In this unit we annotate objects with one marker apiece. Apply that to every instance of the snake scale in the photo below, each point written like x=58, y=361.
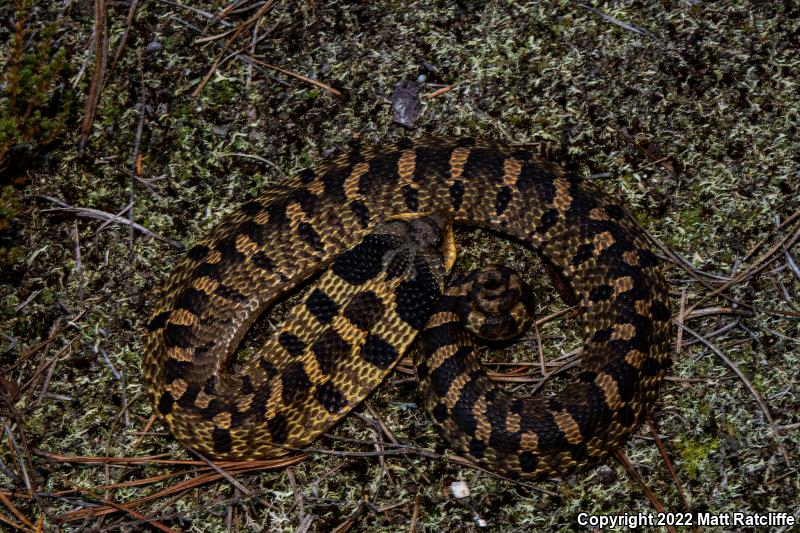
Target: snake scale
x=383, y=288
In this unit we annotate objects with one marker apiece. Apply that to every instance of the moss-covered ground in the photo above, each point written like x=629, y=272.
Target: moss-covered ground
x=686, y=110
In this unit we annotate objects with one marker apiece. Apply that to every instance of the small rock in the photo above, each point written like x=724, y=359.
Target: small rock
x=406, y=104
x=459, y=489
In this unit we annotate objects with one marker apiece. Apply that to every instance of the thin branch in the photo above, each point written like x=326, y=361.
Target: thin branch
x=102, y=215
x=100, y=60
x=773, y=427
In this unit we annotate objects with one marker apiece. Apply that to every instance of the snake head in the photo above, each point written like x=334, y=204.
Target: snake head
x=421, y=242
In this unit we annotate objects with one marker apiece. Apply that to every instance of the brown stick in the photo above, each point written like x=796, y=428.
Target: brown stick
x=100, y=60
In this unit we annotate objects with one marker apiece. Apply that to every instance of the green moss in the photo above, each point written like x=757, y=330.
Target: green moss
x=695, y=454
x=31, y=116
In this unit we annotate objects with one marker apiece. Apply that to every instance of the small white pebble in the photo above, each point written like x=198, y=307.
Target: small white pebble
x=459, y=489
x=480, y=521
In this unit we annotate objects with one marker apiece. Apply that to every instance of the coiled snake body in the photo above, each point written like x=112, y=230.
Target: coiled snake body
x=364, y=313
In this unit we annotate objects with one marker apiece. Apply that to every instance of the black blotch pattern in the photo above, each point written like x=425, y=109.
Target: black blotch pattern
x=371, y=181
x=660, y=311
x=198, y=252
x=295, y=382
x=378, y=352
x=651, y=367
x=365, y=260
x=583, y=253
x=188, y=397
x=521, y=154
x=648, y=258
x=310, y=236
x=528, y=461
x=268, y=368
x=262, y=261
x=192, y=300
x=229, y=293
x=255, y=232
x=415, y=298
x=602, y=335
x=547, y=221
x=404, y=144
x=439, y=336
x=465, y=142
x=614, y=211
x=399, y=264
x=625, y=416
x=364, y=310
x=601, y=293
x=258, y=407
x=457, y=194
x=361, y=212
x=422, y=371
x=252, y=208
x=477, y=448
x=165, y=403
x=333, y=180
x=463, y=410
x=443, y=376
x=355, y=156
x=550, y=435
x=626, y=377
x=222, y=440
x=644, y=332
x=227, y=248
x=411, y=197
x=306, y=199
x=329, y=349
x=208, y=270
x=582, y=201
x=594, y=228
x=578, y=451
x=278, y=428
x=555, y=405
x=504, y=196
x=501, y=440
x=210, y=385
x=588, y=412
x=239, y=418
x=276, y=212
x=174, y=369
x=215, y=407
x=307, y=175
x=158, y=321
x=292, y=344
x=330, y=397
x=440, y=412
x=321, y=306
x=178, y=336
x=431, y=162
x=533, y=176
x=485, y=162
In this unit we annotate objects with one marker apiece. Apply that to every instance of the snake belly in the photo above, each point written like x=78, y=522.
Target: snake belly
x=275, y=242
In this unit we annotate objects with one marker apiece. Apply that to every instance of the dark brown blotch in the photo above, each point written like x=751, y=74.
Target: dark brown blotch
x=278, y=428
x=330, y=398
x=292, y=344
x=378, y=352
x=295, y=382
x=222, y=440
x=165, y=403
x=321, y=306
x=310, y=236
x=364, y=310
x=411, y=198
x=329, y=349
